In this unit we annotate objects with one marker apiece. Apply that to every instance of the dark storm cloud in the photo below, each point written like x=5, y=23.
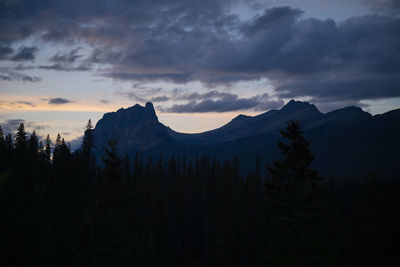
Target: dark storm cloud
x=183, y=41
x=272, y=18
x=5, y=52
x=174, y=77
x=25, y=53
x=291, y=51
x=59, y=101
x=386, y=6
x=353, y=88
x=66, y=20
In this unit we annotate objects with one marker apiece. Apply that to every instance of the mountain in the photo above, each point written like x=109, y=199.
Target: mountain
x=245, y=126
x=135, y=128
x=346, y=142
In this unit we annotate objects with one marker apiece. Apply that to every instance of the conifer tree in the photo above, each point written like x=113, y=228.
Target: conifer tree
x=88, y=141
x=20, y=139
x=112, y=240
x=47, y=150
x=8, y=145
x=2, y=149
x=1, y=138
x=61, y=152
x=57, y=149
x=33, y=145
x=297, y=237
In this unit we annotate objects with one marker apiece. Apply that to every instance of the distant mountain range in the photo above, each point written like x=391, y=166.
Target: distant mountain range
x=347, y=142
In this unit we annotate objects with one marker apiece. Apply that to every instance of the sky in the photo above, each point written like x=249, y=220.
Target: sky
x=201, y=63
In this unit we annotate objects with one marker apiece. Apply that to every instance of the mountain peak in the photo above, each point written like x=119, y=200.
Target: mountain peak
x=136, y=127
x=299, y=106
x=294, y=104
x=134, y=115
x=351, y=113
x=149, y=105
x=139, y=113
x=241, y=117
x=150, y=108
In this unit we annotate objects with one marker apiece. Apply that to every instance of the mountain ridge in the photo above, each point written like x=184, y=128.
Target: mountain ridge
x=343, y=140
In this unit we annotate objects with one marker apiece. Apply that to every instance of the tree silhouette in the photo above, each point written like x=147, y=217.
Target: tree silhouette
x=112, y=242
x=2, y=144
x=3, y=154
x=47, y=150
x=87, y=143
x=60, y=211
x=33, y=146
x=20, y=139
x=297, y=237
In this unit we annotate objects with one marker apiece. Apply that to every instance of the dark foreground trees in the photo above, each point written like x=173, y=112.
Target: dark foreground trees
x=297, y=221
x=62, y=209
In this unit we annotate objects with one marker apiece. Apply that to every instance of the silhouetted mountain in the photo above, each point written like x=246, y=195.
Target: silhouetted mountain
x=347, y=141
x=135, y=128
x=245, y=126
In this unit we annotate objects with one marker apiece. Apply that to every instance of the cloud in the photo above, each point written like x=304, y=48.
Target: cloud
x=27, y=103
x=5, y=52
x=159, y=99
x=298, y=55
x=67, y=62
x=224, y=105
x=65, y=67
x=145, y=95
x=25, y=53
x=215, y=101
x=10, y=75
x=354, y=88
x=18, y=104
x=184, y=41
x=75, y=143
x=211, y=101
x=391, y=7
x=10, y=126
x=105, y=101
x=59, y=101
x=69, y=57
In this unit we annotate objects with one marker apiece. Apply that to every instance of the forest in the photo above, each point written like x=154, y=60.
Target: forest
x=63, y=208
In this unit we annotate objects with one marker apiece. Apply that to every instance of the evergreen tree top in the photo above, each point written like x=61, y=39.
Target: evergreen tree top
x=20, y=138
x=89, y=125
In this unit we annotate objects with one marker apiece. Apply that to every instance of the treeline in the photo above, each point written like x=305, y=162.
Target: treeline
x=61, y=209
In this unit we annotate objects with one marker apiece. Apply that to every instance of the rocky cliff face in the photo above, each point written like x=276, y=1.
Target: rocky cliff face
x=135, y=128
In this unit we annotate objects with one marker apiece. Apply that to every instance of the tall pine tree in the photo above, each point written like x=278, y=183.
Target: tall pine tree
x=297, y=236
x=20, y=140
x=87, y=143
x=112, y=242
